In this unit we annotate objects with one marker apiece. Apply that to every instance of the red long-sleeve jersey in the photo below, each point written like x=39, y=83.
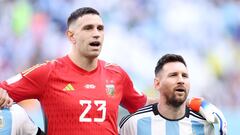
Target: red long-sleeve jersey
x=77, y=102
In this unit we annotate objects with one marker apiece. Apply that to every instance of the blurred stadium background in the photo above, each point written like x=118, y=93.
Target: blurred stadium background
x=137, y=34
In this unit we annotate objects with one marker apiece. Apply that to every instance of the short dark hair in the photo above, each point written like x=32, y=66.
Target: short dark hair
x=79, y=13
x=166, y=59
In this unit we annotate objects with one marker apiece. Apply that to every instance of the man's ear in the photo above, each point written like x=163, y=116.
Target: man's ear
x=156, y=83
x=70, y=36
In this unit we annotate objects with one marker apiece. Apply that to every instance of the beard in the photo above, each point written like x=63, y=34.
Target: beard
x=176, y=101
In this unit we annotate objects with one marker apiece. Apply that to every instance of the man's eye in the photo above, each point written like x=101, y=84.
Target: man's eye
x=100, y=28
x=87, y=28
x=185, y=75
x=172, y=75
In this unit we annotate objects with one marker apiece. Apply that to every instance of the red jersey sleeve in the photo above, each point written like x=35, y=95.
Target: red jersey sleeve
x=132, y=100
x=28, y=84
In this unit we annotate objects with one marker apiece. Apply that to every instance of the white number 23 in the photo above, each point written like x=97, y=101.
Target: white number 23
x=102, y=108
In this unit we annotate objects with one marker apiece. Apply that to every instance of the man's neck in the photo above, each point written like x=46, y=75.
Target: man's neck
x=171, y=112
x=84, y=62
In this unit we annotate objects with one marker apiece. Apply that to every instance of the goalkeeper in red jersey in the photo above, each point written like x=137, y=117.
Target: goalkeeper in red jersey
x=79, y=93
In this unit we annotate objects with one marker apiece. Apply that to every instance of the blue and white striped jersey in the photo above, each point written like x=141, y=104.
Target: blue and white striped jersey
x=15, y=121
x=148, y=121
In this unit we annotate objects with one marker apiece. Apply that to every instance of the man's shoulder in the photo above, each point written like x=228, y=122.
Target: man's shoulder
x=146, y=111
x=196, y=116
x=111, y=66
x=55, y=63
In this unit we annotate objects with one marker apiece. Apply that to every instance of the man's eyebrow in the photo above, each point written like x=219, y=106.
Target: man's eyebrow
x=87, y=25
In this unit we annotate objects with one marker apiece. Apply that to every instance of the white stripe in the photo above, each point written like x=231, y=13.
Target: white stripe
x=158, y=125
x=14, y=79
x=184, y=127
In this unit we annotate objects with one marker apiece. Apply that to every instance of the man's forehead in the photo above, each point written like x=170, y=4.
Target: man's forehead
x=174, y=66
x=90, y=19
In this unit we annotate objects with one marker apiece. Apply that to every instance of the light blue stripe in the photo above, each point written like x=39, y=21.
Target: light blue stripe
x=144, y=126
x=172, y=128
x=197, y=128
x=6, y=118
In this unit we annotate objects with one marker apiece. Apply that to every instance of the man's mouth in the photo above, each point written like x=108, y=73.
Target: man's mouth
x=180, y=90
x=95, y=43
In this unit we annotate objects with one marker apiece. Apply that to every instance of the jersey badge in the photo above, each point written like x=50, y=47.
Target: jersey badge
x=69, y=87
x=110, y=89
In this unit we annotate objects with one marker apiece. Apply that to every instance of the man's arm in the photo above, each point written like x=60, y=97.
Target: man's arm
x=25, y=85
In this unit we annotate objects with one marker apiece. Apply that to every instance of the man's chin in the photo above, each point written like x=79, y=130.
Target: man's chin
x=177, y=102
x=93, y=55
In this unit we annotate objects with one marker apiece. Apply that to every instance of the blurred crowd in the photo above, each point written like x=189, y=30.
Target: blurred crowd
x=138, y=32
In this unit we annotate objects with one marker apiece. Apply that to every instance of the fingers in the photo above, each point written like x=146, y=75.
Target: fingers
x=201, y=106
x=210, y=112
x=10, y=103
x=5, y=100
x=3, y=94
x=207, y=111
x=207, y=114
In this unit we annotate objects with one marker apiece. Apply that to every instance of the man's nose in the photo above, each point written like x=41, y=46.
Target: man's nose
x=96, y=33
x=180, y=79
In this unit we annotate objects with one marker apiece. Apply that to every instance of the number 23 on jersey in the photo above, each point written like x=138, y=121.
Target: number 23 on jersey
x=101, y=104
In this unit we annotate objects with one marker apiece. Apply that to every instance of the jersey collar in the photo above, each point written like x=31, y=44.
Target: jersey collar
x=156, y=112
x=82, y=71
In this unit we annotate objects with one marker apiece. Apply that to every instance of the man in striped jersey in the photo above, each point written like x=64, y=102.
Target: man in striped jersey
x=15, y=121
x=169, y=116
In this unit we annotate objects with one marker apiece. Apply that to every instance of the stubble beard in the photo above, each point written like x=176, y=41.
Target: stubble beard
x=176, y=101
